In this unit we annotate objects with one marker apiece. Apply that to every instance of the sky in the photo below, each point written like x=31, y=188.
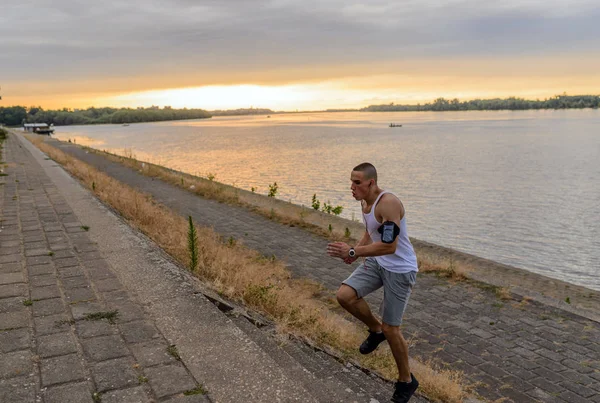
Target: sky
x=292, y=54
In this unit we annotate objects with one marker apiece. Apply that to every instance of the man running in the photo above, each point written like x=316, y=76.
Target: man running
x=390, y=262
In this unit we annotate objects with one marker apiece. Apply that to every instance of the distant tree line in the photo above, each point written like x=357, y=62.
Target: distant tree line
x=17, y=115
x=512, y=103
x=12, y=115
x=242, y=111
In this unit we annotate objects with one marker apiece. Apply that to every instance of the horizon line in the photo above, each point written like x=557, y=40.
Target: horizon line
x=341, y=109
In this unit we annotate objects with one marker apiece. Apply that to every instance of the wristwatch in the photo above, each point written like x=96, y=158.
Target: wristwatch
x=351, y=252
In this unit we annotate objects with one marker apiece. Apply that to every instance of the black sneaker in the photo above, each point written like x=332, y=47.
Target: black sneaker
x=371, y=342
x=403, y=391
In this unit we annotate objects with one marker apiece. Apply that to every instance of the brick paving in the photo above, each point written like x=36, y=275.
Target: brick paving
x=519, y=350
x=51, y=277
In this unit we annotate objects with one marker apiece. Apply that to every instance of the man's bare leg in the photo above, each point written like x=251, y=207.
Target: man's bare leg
x=399, y=348
x=358, y=307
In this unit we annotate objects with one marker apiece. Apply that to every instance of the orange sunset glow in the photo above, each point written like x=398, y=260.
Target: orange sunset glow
x=238, y=56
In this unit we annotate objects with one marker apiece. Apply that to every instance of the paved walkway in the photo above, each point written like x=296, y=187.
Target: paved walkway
x=519, y=350
x=51, y=277
x=75, y=319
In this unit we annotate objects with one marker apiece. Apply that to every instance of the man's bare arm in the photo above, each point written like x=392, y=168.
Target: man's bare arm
x=365, y=240
x=390, y=209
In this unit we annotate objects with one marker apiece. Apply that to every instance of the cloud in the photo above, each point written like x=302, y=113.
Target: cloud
x=67, y=41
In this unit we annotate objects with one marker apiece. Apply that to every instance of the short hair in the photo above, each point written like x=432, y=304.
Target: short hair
x=367, y=169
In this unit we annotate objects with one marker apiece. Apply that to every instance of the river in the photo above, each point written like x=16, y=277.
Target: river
x=518, y=187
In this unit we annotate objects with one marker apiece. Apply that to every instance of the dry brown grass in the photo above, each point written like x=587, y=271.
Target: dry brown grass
x=260, y=282
x=443, y=267
x=524, y=303
x=448, y=268
x=272, y=208
x=503, y=293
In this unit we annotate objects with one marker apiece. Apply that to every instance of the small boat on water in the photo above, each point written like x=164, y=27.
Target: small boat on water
x=39, y=128
x=125, y=124
x=395, y=125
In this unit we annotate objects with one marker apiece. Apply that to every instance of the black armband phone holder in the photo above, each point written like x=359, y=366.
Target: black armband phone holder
x=389, y=230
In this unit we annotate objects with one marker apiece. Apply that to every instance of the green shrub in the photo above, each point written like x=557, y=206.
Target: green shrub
x=192, y=244
x=316, y=204
x=273, y=189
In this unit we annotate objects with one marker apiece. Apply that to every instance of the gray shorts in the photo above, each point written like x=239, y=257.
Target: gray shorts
x=397, y=287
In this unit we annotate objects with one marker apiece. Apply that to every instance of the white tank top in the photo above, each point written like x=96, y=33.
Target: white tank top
x=403, y=260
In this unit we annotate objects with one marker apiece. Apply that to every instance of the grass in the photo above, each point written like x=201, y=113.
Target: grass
x=523, y=304
x=173, y=352
x=442, y=267
x=261, y=283
x=283, y=212
x=111, y=316
x=502, y=293
x=28, y=302
x=199, y=390
x=59, y=323
x=192, y=244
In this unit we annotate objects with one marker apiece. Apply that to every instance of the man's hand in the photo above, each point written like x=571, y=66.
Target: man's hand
x=338, y=249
